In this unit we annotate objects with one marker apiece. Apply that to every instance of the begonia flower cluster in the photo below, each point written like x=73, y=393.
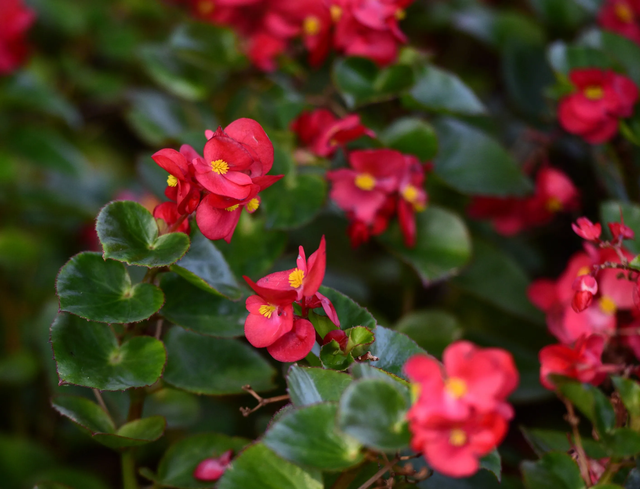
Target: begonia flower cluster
x=554, y=192
x=219, y=184
x=15, y=19
x=273, y=323
x=461, y=412
x=601, y=98
x=621, y=17
x=588, y=306
x=367, y=28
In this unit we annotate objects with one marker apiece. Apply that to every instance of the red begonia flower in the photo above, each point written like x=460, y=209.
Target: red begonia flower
x=15, y=20
x=217, y=217
x=252, y=136
x=413, y=198
x=620, y=230
x=338, y=335
x=168, y=212
x=585, y=287
x=584, y=228
x=180, y=185
x=296, y=344
x=621, y=17
x=542, y=294
x=211, y=469
x=602, y=97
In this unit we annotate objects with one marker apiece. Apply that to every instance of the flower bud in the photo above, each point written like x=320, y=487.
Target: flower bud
x=586, y=229
x=621, y=230
x=581, y=300
x=211, y=469
x=585, y=283
x=339, y=336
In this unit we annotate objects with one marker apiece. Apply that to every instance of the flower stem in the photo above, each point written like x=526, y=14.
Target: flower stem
x=129, y=480
x=577, y=440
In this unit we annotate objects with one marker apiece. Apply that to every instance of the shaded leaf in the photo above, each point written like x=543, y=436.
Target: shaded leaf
x=313, y=385
x=411, y=135
x=393, y=349
x=432, y=330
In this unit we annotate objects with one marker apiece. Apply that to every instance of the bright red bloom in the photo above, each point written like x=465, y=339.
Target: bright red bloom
x=168, y=212
x=620, y=231
x=586, y=229
x=413, y=198
x=582, y=362
x=296, y=344
x=621, y=17
x=211, y=469
x=359, y=232
x=601, y=99
x=323, y=133
x=181, y=187
x=454, y=447
x=586, y=287
x=15, y=20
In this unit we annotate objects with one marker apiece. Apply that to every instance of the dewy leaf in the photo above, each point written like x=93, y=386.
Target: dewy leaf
x=100, y=290
x=480, y=166
x=393, y=350
x=443, y=244
x=439, y=90
x=312, y=385
x=129, y=233
x=411, y=135
x=308, y=437
x=373, y=411
x=214, y=366
x=88, y=354
x=204, y=266
x=432, y=330
x=193, y=308
x=259, y=468
x=349, y=312
x=610, y=212
x=181, y=459
x=557, y=470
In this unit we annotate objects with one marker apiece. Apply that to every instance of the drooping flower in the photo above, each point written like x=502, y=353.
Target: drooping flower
x=621, y=17
x=15, y=19
x=601, y=98
x=211, y=469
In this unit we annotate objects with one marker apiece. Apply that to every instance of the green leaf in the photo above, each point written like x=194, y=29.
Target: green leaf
x=432, y=330
x=591, y=402
x=480, y=166
x=259, y=468
x=557, y=470
x=373, y=411
x=443, y=244
x=92, y=418
x=622, y=442
x=393, y=349
x=492, y=463
x=179, y=408
x=312, y=385
x=308, y=437
x=366, y=371
x=411, y=135
x=181, y=459
x=332, y=356
x=100, y=290
x=293, y=202
x=194, y=309
x=543, y=441
x=195, y=41
x=439, y=90
x=564, y=58
x=610, y=212
x=88, y=354
x=349, y=312
x=204, y=266
x=360, y=81
x=359, y=339
x=214, y=366
x=623, y=50
x=322, y=324
x=19, y=368
x=629, y=391
x=129, y=233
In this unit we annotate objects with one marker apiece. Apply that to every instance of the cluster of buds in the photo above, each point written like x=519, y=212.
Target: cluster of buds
x=218, y=186
x=584, y=306
x=554, y=193
x=367, y=28
x=273, y=323
x=621, y=17
x=15, y=20
x=461, y=413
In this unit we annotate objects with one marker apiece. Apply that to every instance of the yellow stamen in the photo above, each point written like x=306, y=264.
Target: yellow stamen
x=594, y=92
x=456, y=388
x=311, y=25
x=232, y=208
x=457, y=437
x=607, y=305
x=624, y=12
x=267, y=310
x=364, y=181
x=584, y=271
x=400, y=14
x=253, y=205
x=172, y=181
x=295, y=278
x=205, y=7
x=554, y=204
x=336, y=13
x=220, y=167
x=415, y=392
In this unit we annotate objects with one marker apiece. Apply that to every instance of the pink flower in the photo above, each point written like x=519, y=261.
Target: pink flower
x=15, y=20
x=620, y=231
x=586, y=287
x=296, y=344
x=586, y=229
x=181, y=187
x=211, y=469
x=621, y=17
x=168, y=212
x=413, y=198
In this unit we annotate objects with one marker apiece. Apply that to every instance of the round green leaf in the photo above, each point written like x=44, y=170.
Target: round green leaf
x=373, y=411
x=493, y=463
x=332, y=356
x=312, y=385
x=557, y=470
x=349, y=312
x=443, y=244
x=259, y=468
x=129, y=233
x=205, y=267
x=480, y=166
x=307, y=436
x=393, y=350
x=214, y=366
x=88, y=354
x=294, y=202
x=181, y=459
x=564, y=58
x=100, y=290
x=134, y=433
x=179, y=408
x=438, y=90
x=411, y=135
x=193, y=308
x=432, y=330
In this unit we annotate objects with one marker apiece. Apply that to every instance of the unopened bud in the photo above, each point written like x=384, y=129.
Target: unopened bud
x=585, y=283
x=581, y=300
x=339, y=336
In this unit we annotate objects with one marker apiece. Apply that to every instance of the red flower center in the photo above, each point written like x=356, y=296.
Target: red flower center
x=220, y=167
x=172, y=181
x=267, y=310
x=594, y=92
